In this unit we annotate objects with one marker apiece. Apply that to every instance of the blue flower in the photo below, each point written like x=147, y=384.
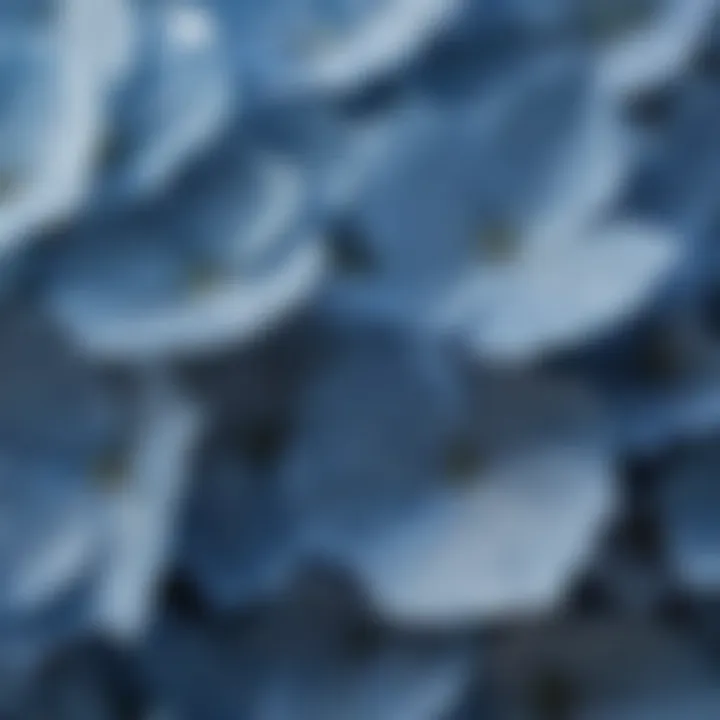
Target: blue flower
x=89, y=477
x=233, y=253
x=488, y=220
x=176, y=97
x=446, y=511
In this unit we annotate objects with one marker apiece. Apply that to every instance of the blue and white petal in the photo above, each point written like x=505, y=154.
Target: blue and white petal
x=286, y=48
x=368, y=432
x=57, y=420
x=650, y=42
x=479, y=191
x=58, y=76
x=143, y=517
x=445, y=518
x=82, y=483
x=508, y=546
x=113, y=36
x=560, y=298
x=177, y=98
x=237, y=255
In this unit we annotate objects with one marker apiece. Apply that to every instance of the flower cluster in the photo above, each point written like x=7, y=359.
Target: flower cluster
x=359, y=359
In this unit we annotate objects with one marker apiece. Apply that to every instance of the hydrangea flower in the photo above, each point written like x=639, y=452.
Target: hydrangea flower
x=446, y=514
x=487, y=221
x=90, y=476
x=358, y=359
x=233, y=252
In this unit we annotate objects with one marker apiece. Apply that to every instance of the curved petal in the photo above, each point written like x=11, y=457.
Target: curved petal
x=226, y=316
x=446, y=516
x=64, y=432
x=289, y=48
x=176, y=102
x=509, y=545
x=143, y=517
x=54, y=177
x=239, y=257
x=563, y=297
x=382, y=44
x=658, y=51
x=478, y=188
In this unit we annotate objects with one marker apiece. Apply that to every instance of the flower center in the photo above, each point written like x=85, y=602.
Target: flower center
x=463, y=461
x=349, y=250
x=202, y=278
x=497, y=242
x=110, y=470
x=113, y=150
